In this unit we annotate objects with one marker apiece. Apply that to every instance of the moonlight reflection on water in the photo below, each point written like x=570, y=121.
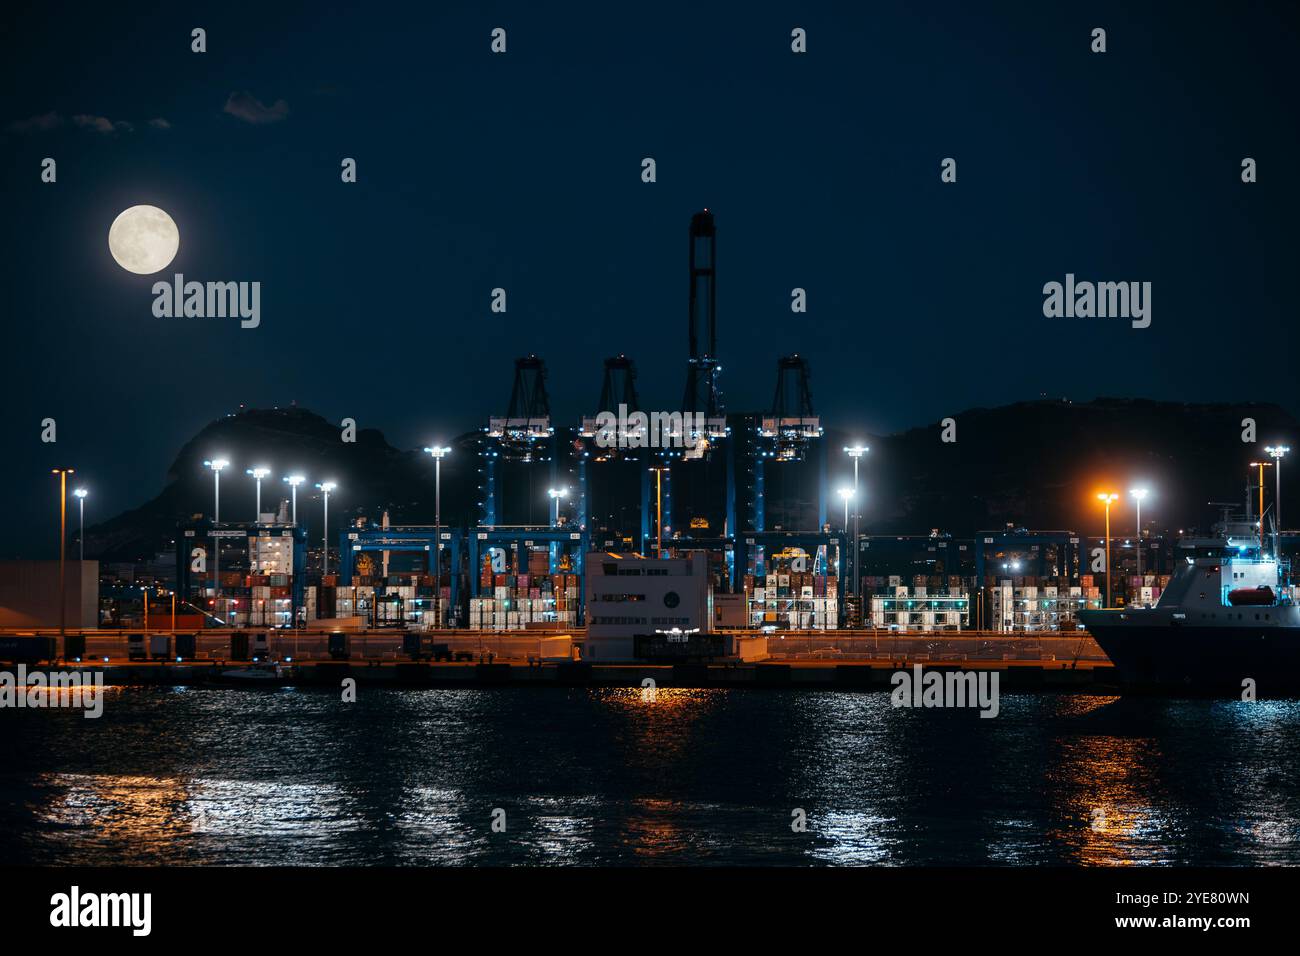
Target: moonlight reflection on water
x=602, y=776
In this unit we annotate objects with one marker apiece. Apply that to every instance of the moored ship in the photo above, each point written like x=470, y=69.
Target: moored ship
x=1224, y=620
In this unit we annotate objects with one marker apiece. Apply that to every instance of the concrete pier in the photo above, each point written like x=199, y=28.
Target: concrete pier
x=826, y=659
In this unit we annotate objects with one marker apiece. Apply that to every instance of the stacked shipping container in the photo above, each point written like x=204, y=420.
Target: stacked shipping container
x=793, y=601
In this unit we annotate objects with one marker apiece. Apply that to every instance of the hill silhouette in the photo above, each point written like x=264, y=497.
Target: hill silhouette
x=1040, y=464
x=1033, y=464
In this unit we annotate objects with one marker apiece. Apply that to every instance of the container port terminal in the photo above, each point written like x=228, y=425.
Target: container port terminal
x=691, y=537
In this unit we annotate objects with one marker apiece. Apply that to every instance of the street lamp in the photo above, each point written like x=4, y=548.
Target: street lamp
x=556, y=494
x=80, y=494
x=1277, y=453
x=1108, y=498
x=258, y=473
x=1138, y=495
x=855, y=452
x=1261, y=465
x=63, y=543
x=326, y=487
x=847, y=495
x=659, y=508
x=294, y=481
x=216, y=464
x=438, y=454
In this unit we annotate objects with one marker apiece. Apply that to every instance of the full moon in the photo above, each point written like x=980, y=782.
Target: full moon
x=143, y=239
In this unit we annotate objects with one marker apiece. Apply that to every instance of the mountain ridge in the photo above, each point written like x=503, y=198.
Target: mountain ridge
x=1035, y=463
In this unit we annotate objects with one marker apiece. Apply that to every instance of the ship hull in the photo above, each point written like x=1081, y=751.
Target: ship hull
x=1202, y=660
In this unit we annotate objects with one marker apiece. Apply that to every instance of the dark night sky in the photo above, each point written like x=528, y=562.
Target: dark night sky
x=522, y=171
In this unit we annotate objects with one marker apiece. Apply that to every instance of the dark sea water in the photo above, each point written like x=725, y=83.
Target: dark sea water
x=188, y=776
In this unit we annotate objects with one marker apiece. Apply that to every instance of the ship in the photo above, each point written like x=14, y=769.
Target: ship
x=1226, y=624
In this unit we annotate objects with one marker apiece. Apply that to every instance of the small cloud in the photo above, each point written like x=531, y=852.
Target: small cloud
x=159, y=123
x=248, y=108
x=99, y=124
x=102, y=124
x=37, y=124
x=46, y=122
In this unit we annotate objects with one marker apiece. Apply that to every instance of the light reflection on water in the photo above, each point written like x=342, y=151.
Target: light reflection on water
x=603, y=776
